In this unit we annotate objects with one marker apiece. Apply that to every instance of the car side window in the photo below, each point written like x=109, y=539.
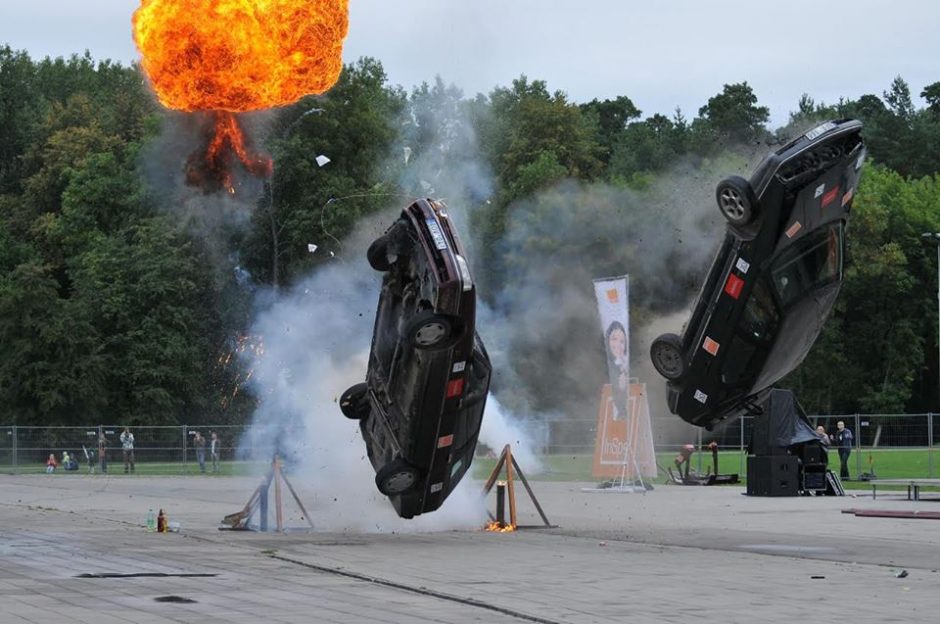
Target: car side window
x=760, y=317
x=812, y=262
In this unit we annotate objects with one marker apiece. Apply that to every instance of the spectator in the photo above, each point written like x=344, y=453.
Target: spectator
x=823, y=436
x=103, y=453
x=843, y=440
x=90, y=458
x=127, y=445
x=200, y=443
x=51, y=464
x=215, y=448
x=68, y=461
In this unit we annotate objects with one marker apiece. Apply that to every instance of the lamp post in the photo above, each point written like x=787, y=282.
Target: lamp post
x=275, y=229
x=934, y=239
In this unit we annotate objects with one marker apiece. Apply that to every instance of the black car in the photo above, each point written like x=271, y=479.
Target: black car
x=421, y=405
x=773, y=281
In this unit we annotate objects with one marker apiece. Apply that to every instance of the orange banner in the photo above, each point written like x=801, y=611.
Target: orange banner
x=624, y=446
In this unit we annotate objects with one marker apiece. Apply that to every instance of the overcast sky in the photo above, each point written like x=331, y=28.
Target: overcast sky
x=660, y=53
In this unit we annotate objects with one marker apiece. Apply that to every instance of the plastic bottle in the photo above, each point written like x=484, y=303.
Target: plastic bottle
x=151, y=521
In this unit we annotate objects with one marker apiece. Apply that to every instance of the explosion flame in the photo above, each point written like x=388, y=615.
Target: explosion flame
x=232, y=56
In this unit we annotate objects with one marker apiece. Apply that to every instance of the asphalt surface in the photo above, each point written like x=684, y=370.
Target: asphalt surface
x=74, y=548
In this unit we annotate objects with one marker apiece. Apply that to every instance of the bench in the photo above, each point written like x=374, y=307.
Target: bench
x=913, y=486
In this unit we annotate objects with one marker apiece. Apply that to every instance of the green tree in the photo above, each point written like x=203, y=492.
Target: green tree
x=354, y=126
x=734, y=114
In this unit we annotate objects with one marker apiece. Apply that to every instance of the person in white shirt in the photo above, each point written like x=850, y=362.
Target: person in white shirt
x=215, y=448
x=127, y=445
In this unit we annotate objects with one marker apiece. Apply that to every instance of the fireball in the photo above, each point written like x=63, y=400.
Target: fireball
x=240, y=55
x=232, y=56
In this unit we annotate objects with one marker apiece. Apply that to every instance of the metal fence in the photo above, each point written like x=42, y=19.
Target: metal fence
x=163, y=449
x=883, y=443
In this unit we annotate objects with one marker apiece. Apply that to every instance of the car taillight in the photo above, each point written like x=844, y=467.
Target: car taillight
x=464, y=273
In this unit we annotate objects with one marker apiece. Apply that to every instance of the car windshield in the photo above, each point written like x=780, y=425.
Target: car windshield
x=810, y=263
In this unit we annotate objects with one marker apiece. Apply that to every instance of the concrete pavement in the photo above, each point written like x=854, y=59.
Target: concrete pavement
x=73, y=549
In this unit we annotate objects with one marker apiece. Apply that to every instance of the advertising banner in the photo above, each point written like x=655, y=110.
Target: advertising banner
x=612, y=306
x=624, y=446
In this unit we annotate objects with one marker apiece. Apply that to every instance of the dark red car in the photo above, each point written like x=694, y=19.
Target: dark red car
x=421, y=405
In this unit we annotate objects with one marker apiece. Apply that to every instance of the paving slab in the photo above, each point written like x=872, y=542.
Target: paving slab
x=74, y=548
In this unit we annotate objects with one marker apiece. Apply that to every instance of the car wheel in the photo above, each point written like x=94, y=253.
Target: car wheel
x=666, y=354
x=396, y=477
x=432, y=331
x=377, y=254
x=354, y=403
x=387, y=249
x=736, y=200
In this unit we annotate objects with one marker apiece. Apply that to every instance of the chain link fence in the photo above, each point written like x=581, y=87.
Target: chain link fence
x=886, y=445
x=157, y=450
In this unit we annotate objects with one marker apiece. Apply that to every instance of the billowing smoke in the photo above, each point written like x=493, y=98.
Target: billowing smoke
x=539, y=322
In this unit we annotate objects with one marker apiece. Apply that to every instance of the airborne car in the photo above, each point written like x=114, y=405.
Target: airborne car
x=773, y=281
x=421, y=405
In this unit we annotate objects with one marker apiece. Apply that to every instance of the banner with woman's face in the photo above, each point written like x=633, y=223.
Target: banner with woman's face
x=613, y=308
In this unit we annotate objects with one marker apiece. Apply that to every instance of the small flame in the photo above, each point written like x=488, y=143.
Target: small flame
x=498, y=527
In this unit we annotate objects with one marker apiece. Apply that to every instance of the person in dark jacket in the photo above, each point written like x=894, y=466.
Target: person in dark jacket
x=843, y=440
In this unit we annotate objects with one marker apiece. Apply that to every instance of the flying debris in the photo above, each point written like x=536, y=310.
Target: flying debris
x=311, y=247
x=421, y=405
x=322, y=160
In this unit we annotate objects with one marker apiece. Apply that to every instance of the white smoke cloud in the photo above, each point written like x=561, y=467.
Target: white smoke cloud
x=316, y=341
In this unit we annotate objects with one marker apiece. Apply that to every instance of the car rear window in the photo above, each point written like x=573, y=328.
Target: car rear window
x=809, y=264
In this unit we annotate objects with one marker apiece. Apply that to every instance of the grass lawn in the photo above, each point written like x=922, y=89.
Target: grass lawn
x=885, y=463
x=150, y=469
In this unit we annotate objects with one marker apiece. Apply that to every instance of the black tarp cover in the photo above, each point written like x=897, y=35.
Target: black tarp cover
x=788, y=422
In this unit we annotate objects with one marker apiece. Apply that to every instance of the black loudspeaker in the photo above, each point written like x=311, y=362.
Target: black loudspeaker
x=763, y=437
x=773, y=475
x=814, y=453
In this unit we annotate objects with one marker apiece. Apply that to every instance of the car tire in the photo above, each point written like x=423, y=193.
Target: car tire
x=666, y=354
x=377, y=254
x=396, y=477
x=387, y=249
x=736, y=200
x=354, y=403
x=432, y=332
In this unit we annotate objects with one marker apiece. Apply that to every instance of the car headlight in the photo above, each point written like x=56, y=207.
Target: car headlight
x=464, y=272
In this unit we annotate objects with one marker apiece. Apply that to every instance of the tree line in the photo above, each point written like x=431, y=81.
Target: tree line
x=113, y=308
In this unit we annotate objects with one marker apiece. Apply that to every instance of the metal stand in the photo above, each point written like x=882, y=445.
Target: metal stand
x=259, y=501
x=506, y=459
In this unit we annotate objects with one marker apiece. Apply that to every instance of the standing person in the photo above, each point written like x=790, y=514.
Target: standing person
x=214, y=450
x=90, y=458
x=127, y=445
x=843, y=440
x=103, y=453
x=200, y=443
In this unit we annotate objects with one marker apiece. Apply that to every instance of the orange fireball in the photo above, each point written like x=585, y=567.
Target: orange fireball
x=240, y=55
